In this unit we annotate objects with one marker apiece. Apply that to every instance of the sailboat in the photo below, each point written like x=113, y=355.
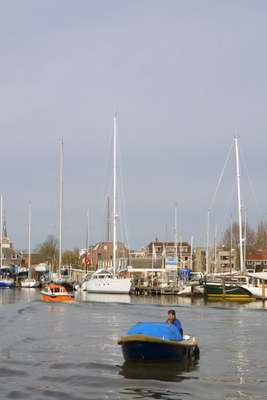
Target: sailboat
x=56, y=292
x=228, y=286
x=29, y=282
x=103, y=281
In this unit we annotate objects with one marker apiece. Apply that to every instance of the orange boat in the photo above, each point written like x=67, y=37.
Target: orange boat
x=56, y=293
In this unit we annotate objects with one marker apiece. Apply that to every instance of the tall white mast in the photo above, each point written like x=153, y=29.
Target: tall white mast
x=60, y=206
x=231, y=244
x=87, y=231
x=175, y=232
x=29, y=239
x=1, y=229
x=215, y=249
x=114, y=191
x=208, y=243
x=245, y=237
x=239, y=205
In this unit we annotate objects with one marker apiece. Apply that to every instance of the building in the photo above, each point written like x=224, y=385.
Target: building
x=256, y=260
x=10, y=256
x=223, y=261
x=177, y=255
x=199, y=260
x=101, y=255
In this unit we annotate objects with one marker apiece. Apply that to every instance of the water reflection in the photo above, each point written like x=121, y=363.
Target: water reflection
x=12, y=295
x=169, y=372
x=56, y=309
x=104, y=297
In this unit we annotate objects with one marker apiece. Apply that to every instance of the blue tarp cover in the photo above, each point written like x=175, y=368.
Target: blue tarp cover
x=160, y=330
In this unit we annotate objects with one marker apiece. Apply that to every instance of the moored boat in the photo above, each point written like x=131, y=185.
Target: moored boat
x=227, y=291
x=7, y=282
x=157, y=342
x=56, y=293
x=103, y=281
x=30, y=283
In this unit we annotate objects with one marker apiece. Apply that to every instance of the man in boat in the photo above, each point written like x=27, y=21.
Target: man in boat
x=174, y=321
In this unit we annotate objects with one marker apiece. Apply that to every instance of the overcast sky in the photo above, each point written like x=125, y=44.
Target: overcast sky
x=184, y=77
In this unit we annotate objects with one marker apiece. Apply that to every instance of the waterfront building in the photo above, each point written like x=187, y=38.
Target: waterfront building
x=10, y=256
x=175, y=254
x=199, y=260
x=256, y=260
x=222, y=260
x=101, y=254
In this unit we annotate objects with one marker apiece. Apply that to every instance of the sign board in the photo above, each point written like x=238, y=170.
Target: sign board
x=171, y=263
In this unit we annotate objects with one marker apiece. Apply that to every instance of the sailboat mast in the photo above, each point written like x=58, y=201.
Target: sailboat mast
x=175, y=232
x=208, y=244
x=114, y=191
x=245, y=237
x=231, y=244
x=239, y=205
x=29, y=239
x=1, y=233
x=215, y=249
x=60, y=206
x=87, y=232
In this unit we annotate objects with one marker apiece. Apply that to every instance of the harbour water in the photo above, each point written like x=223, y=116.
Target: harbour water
x=70, y=351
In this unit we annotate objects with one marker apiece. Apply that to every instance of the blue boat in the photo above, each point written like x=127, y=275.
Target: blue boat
x=154, y=341
x=6, y=282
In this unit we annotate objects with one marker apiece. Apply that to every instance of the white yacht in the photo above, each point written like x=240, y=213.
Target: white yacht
x=30, y=283
x=256, y=284
x=103, y=281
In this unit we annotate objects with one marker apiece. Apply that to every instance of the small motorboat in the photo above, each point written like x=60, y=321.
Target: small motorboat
x=30, y=283
x=56, y=293
x=6, y=282
x=154, y=341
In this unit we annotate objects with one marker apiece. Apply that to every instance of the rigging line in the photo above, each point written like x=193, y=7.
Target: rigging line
x=107, y=181
x=122, y=198
x=221, y=177
x=232, y=193
x=243, y=161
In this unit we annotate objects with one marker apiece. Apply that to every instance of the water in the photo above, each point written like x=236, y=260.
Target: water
x=69, y=351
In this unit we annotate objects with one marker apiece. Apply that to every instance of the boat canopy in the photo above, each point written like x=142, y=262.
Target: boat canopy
x=156, y=329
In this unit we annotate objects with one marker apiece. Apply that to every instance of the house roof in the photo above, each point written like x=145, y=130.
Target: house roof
x=260, y=254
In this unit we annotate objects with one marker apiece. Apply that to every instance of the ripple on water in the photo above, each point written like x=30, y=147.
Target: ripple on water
x=70, y=352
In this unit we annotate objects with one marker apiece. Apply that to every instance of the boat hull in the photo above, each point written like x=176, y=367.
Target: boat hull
x=256, y=291
x=67, y=298
x=6, y=283
x=144, y=348
x=227, y=291
x=108, y=285
x=29, y=283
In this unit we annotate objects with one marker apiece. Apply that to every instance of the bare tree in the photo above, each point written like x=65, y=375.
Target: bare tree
x=261, y=235
x=234, y=234
x=71, y=257
x=48, y=250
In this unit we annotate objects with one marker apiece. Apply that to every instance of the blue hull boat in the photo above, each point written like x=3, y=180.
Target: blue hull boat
x=163, y=344
x=6, y=283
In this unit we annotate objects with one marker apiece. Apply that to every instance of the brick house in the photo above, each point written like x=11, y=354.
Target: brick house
x=256, y=260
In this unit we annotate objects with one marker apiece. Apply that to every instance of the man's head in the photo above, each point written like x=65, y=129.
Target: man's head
x=171, y=315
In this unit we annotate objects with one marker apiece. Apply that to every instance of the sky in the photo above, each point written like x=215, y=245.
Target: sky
x=184, y=78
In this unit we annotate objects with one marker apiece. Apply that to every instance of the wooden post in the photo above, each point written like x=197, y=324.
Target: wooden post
x=263, y=289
